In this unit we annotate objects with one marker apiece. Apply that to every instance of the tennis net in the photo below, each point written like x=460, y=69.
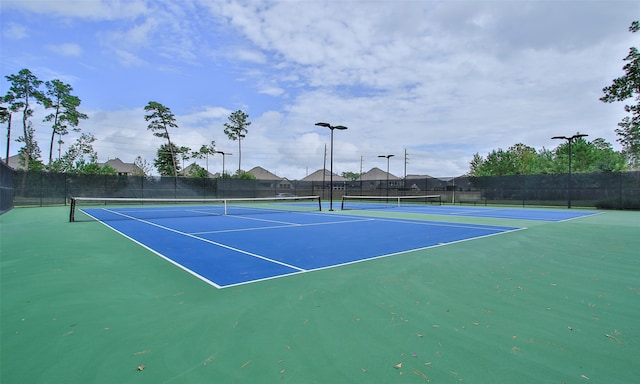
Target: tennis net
x=383, y=202
x=115, y=208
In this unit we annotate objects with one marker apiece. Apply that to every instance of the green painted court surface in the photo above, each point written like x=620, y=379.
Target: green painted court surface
x=558, y=302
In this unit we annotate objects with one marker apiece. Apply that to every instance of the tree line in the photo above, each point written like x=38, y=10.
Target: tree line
x=586, y=156
x=25, y=92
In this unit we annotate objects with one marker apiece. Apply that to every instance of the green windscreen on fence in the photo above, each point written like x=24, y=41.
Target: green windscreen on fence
x=612, y=190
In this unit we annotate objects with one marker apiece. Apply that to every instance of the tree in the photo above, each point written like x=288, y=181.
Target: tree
x=5, y=117
x=204, y=152
x=244, y=175
x=623, y=88
x=81, y=158
x=184, y=154
x=500, y=163
x=607, y=160
x=524, y=157
x=476, y=167
x=24, y=89
x=595, y=156
x=30, y=153
x=197, y=171
x=161, y=119
x=165, y=161
x=236, y=129
x=142, y=167
x=351, y=175
x=65, y=113
x=519, y=159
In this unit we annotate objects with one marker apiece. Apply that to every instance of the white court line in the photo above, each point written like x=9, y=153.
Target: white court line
x=282, y=226
x=158, y=253
x=208, y=241
x=453, y=225
x=580, y=217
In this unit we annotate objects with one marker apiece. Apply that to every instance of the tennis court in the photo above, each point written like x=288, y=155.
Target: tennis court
x=258, y=244
x=424, y=205
x=439, y=294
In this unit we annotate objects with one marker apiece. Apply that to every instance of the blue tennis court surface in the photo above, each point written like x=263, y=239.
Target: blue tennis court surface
x=232, y=250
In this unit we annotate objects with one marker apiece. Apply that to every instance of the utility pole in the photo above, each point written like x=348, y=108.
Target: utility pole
x=406, y=160
x=324, y=170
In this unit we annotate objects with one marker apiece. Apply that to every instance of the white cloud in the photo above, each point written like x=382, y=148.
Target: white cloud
x=66, y=49
x=14, y=31
x=91, y=9
x=442, y=80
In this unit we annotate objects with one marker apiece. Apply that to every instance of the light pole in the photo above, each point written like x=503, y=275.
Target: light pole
x=388, y=157
x=569, y=140
x=224, y=154
x=331, y=127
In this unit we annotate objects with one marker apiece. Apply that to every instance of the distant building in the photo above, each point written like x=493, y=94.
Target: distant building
x=15, y=162
x=270, y=180
x=425, y=183
x=187, y=171
x=323, y=175
x=376, y=178
x=122, y=168
x=377, y=174
x=321, y=179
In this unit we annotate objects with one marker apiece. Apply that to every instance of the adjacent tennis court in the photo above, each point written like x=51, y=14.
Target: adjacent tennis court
x=432, y=205
x=263, y=242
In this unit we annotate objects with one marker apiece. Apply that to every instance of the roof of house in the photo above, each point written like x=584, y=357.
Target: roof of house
x=187, y=170
x=323, y=174
x=122, y=167
x=15, y=163
x=377, y=174
x=262, y=174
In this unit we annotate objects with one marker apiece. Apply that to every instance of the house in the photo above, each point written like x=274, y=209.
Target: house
x=15, y=163
x=262, y=174
x=269, y=180
x=376, y=173
x=321, y=181
x=122, y=168
x=323, y=175
x=425, y=183
x=187, y=171
x=376, y=178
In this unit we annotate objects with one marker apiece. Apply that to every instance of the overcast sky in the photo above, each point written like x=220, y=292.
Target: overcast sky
x=441, y=80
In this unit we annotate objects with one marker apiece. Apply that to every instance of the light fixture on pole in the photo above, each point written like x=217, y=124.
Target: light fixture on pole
x=569, y=140
x=224, y=154
x=388, y=157
x=331, y=127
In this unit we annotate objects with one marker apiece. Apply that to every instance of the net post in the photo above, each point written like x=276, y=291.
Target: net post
x=319, y=203
x=342, y=203
x=225, y=206
x=73, y=210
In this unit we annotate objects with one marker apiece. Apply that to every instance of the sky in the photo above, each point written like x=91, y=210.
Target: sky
x=430, y=82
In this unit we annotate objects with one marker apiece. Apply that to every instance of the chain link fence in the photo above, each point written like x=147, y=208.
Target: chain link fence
x=620, y=190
